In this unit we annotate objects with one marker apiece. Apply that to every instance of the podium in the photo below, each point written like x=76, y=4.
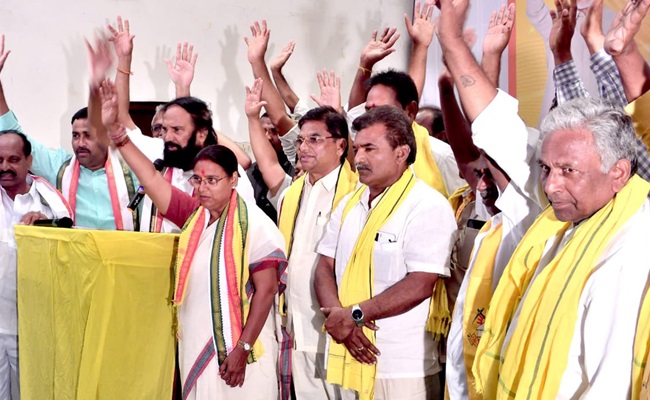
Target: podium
x=95, y=319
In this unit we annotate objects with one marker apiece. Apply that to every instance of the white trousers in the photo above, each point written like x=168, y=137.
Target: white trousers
x=310, y=379
x=426, y=388
x=8, y=366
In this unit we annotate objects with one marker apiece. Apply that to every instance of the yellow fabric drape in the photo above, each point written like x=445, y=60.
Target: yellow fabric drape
x=533, y=363
x=357, y=285
x=477, y=298
x=96, y=320
x=346, y=183
x=425, y=166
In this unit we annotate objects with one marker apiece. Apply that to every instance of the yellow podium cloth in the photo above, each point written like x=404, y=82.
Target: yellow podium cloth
x=95, y=315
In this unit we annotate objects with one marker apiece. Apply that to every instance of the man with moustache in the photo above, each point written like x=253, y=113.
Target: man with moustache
x=187, y=128
x=25, y=198
x=96, y=184
x=391, y=240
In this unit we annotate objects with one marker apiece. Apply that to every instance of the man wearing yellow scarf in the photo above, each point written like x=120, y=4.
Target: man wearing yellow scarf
x=391, y=240
x=435, y=164
x=563, y=318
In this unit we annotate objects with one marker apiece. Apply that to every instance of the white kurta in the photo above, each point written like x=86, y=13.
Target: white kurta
x=417, y=238
x=601, y=350
x=195, y=319
x=520, y=203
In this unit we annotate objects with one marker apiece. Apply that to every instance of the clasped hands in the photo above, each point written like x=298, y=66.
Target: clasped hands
x=343, y=330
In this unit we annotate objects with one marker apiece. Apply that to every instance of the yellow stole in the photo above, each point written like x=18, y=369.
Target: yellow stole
x=458, y=202
x=641, y=374
x=533, y=363
x=346, y=182
x=425, y=166
x=478, y=296
x=230, y=240
x=357, y=285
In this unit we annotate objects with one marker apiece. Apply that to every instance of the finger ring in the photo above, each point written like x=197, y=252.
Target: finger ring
x=360, y=348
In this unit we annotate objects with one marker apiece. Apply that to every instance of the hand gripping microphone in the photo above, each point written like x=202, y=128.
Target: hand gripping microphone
x=135, y=201
x=64, y=222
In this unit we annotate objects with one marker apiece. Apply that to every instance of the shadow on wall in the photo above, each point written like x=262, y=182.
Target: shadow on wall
x=75, y=58
x=158, y=74
x=230, y=87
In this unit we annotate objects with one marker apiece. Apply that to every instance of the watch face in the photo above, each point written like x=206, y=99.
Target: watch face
x=357, y=315
x=247, y=346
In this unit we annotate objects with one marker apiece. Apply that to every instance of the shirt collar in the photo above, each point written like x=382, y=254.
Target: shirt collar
x=328, y=181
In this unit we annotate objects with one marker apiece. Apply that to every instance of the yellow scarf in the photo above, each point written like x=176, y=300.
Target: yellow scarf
x=357, y=286
x=641, y=374
x=458, y=202
x=478, y=296
x=533, y=363
x=346, y=182
x=425, y=166
x=230, y=240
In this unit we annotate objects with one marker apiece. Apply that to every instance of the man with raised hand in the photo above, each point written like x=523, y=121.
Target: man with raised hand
x=93, y=180
x=25, y=198
x=186, y=127
x=382, y=253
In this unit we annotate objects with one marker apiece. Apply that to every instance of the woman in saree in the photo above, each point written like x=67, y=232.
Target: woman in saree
x=228, y=270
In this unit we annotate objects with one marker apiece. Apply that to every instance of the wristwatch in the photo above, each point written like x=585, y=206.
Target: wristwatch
x=357, y=315
x=247, y=347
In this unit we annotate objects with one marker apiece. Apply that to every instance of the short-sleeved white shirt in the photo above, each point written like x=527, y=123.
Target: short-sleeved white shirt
x=417, y=238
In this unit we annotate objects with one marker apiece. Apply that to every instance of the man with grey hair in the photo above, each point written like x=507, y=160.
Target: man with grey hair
x=563, y=323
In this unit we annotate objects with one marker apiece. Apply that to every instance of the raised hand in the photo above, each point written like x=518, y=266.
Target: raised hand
x=254, y=103
x=258, y=43
x=282, y=57
x=453, y=14
x=422, y=29
x=108, y=96
x=122, y=38
x=377, y=49
x=592, y=27
x=627, y=23
x=499, y=30
x=3, y=53
x=330, y=90
x=100, y=60
x=564, y=24
x=181, y=71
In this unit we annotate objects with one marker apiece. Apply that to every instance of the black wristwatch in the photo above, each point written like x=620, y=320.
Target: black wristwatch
x=357, y=315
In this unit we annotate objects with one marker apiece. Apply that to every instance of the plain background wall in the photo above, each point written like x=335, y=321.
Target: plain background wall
x=45, y=77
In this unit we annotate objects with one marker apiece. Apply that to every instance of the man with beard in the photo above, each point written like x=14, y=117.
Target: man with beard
x=24, y=199
x=186, y=129
x=96, y=184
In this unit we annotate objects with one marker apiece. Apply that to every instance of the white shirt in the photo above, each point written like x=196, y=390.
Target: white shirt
x=501, y=133
x=12, y=211
x=153, y=149
x=305, y=320
x=601, y=350
x=417, y=238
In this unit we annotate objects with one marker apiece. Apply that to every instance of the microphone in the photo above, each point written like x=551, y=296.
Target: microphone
x=135, y=201
x=64, y=222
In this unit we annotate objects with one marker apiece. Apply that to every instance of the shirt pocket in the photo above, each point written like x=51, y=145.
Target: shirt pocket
x=388, y=262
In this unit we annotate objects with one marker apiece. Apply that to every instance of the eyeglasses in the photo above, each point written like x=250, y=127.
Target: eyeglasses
x=312, y=141
x=156, y=128
x=211, y=181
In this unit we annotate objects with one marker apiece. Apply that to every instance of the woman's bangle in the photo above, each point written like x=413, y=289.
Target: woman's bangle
x=126, y=139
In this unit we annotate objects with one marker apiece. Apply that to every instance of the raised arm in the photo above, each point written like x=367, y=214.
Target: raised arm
x=123, y=45
x=155, y=185
x=257, y=46
x=99, y=61
x=267, y=160
x=495, y=41
x=475, y=89
x=181, y=71
x=619, y=42
x=459, y=131
x=421, y=31
x=375, y=51
x=288, y=95
x=4, y=107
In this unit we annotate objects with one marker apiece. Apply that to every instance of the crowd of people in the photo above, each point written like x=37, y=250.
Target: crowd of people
x=377, y=249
